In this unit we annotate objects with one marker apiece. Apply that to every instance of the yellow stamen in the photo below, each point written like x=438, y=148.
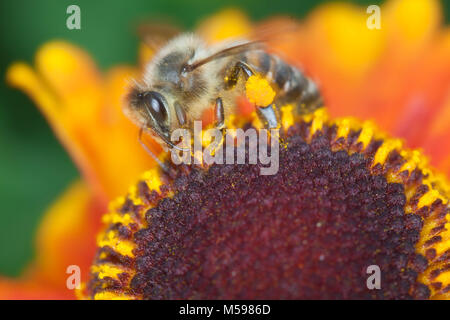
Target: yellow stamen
x=415, y=157
x=428, y=198
x=384, y=150
x=366, y=134
x=107, y=270
x=320, y=116
x=287, y=116
x=116, y=203
x=115, y=217
x=112, y=240
x=152, y=178
x=110, y=295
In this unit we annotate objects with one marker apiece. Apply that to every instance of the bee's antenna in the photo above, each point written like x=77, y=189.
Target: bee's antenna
x=159, y=162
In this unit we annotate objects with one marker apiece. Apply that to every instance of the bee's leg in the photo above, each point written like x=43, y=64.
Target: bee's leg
x=268, y=116
x=219, y=117
x=233, y=75
x=219, y=114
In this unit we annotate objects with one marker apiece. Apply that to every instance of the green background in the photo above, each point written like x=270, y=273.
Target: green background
x=34, y=169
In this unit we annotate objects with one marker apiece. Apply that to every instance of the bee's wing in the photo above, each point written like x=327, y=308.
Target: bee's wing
x=230, y=50
x=156, y=34
x=261, y=37
x=276, y=29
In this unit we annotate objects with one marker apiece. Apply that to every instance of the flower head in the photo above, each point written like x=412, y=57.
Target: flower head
x=347, y=196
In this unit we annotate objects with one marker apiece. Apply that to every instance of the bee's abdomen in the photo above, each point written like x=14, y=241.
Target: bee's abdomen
x=293, y=86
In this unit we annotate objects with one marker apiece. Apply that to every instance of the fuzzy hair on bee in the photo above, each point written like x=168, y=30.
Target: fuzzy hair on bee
x=186, y=77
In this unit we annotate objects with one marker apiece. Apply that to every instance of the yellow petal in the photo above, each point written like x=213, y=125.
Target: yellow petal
x=70, y=72
x=22, y=76
x=411, y=22
x=343, y=40
x=229, y=23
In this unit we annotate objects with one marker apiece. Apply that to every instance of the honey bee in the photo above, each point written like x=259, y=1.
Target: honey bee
x=187, y=76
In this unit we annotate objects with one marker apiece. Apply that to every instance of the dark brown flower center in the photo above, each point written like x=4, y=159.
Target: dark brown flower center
x=310, y=231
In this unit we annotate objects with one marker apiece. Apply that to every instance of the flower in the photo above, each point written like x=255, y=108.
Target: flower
x=346, y=198
x=402, y=222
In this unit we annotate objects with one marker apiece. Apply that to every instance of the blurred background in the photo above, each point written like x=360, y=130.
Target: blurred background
x=34, y=168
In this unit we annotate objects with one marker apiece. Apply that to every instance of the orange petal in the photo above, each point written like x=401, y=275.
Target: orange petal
x=390, y=92
x=437, y=140
x=29, y=289
x=85, y=112
x=117, y=156
x=335, y=47
x=67, y=113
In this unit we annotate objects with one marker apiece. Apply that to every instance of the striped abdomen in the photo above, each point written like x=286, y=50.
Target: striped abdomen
x=293, y=86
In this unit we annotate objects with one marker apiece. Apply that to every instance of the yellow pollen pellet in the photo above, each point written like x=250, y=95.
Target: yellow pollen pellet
x=259, y=91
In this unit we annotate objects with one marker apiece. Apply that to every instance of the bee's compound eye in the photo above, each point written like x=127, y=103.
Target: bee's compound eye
x=156, y=106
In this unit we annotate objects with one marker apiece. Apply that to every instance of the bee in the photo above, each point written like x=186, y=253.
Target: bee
x=187, y=76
